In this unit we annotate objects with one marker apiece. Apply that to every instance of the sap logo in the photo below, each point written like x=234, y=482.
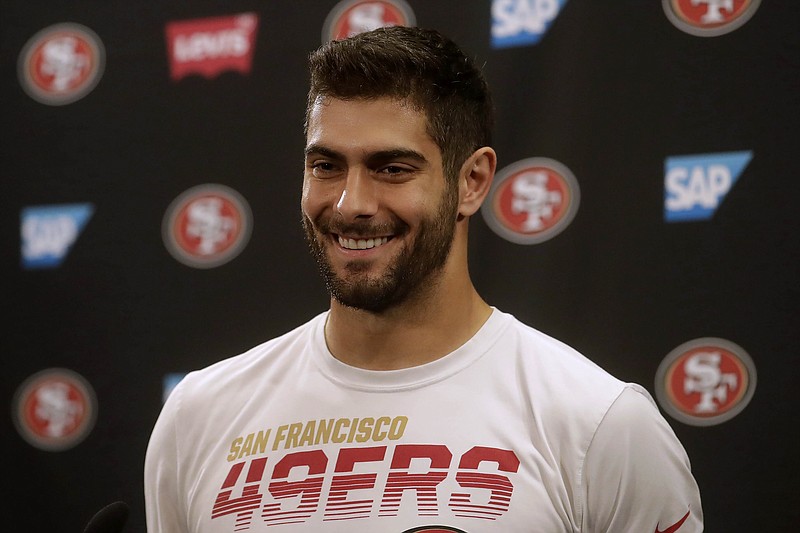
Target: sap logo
x=522, y=22
x=48, y=232
x=695, y=185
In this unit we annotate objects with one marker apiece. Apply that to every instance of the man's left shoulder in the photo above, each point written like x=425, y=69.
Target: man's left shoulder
x=559, y=363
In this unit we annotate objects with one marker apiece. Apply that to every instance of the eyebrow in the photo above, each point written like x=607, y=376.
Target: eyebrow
x=316, y=149
x=378, y=156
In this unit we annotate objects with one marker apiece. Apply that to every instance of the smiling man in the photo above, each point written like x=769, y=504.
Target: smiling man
x=411, y=404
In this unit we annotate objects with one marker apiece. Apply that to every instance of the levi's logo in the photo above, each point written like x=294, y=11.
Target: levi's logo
x=210, y=46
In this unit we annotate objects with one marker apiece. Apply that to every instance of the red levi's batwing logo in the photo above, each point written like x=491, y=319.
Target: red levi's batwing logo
x=211, y=46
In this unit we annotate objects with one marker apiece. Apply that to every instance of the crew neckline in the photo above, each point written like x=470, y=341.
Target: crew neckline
x=406, y=378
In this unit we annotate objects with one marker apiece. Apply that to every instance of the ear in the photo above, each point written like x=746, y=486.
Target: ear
x=475, y=180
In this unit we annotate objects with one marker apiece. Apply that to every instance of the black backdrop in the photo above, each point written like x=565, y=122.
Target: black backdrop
x=611, y=90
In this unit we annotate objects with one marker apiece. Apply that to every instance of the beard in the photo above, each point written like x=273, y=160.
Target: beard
x=411, y=273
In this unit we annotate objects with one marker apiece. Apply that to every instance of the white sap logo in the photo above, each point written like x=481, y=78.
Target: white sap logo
x=47, y=232
x=522, y=22
x=694, y=186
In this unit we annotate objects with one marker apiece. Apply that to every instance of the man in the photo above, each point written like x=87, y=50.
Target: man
x=411, y=405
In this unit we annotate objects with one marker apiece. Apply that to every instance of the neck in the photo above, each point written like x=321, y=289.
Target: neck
x=415, y=332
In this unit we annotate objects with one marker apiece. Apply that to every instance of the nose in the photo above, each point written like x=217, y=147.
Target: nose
x=359, y=196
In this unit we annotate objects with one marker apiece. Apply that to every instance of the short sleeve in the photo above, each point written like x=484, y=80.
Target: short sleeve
x=163, y=505
x=636, y=474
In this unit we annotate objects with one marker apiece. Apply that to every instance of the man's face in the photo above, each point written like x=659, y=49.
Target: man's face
x=378, y=213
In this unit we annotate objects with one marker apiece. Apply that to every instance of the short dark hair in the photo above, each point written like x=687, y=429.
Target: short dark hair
x=417, y=65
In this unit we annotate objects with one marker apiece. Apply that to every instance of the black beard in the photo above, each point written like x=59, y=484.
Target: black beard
x=412, y=273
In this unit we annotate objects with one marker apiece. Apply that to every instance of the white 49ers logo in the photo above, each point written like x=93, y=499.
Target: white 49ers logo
x=532, y=201
x=705, y=381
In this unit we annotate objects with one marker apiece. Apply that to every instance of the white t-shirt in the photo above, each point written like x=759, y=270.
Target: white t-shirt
x=512, y=432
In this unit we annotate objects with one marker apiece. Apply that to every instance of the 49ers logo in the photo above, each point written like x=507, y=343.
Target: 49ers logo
x=55, y=409
x=207, y=226
x=705, y=381
x=61, y=64
x=531, y=201
x=709, y=18
x=351, y=17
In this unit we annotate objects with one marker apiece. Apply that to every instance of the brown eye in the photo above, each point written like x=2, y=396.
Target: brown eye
x=394, y=171
x=322, y=168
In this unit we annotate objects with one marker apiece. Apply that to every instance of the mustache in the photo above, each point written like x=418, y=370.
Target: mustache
x=361, y=228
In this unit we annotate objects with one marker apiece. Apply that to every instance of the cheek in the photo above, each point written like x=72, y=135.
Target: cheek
x=427, y=203
x=304, y=198
x=316, y=198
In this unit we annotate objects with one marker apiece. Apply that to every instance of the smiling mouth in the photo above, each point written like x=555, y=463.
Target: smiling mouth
x=361, y=244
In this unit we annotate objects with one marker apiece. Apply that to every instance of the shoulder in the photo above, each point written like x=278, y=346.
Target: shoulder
x=235, y=375
x=567, y=394
x=548, y=364
x=636, y=473
x=633, y=421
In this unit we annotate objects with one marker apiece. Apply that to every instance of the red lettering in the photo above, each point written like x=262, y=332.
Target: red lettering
x=244, y=505
x=296, y=485
x=309, y=489
x=338, y=506
x=500, y=487
x=424, y=484
x=211, y=46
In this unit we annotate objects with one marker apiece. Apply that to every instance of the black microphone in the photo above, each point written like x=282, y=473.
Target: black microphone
x=109, y=519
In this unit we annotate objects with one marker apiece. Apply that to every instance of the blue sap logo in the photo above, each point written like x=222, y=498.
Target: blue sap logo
x=522, y=22
x=48, y=232
x=695, y=185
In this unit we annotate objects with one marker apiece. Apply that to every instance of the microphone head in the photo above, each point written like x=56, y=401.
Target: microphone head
x=109, y=519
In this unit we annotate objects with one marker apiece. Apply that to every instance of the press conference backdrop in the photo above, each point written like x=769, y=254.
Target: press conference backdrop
x=645, y=211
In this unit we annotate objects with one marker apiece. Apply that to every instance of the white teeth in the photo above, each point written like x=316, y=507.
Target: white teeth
x=362, y=244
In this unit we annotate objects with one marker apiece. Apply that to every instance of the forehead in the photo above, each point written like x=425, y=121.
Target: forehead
x=367, y=123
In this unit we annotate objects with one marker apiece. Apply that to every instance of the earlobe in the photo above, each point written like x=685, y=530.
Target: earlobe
x=475, y=180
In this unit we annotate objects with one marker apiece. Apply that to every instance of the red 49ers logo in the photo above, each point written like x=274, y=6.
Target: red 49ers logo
x=351, y=17
x=709, y=18
x=705, y=381
x=61, y=64
x=55, y=409
x=531, y=201
x=207, y=226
